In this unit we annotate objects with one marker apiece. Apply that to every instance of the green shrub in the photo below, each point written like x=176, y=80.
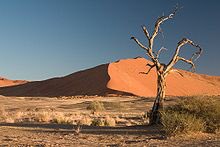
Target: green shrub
x=202, y=111
x=176, y=123
x=96, y=106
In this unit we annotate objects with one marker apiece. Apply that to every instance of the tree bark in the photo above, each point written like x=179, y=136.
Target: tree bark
x=164, y=69
x=159, y=101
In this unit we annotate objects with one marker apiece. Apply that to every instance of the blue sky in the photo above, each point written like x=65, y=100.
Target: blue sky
x=41, y=39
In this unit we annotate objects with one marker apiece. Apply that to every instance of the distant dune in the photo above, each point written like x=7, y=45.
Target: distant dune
x=6, y=82
x=121, y=78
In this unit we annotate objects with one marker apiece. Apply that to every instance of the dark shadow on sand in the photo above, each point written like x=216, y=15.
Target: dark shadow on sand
x=96, y=130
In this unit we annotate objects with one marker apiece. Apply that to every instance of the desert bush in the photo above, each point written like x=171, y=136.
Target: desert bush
x=175, y=123
x=9, y=120
x=97, y=122
x=204, y=112
x=2, y=113
x=206, y=108
x=106, y=121
x=44, y=116
x=109, y=121
x=60, y=118
x=86, y=120
x=96, y=106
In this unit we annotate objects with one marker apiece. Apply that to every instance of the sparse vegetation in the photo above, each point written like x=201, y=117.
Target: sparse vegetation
x=96, y=106
x=2, y=113
x=106, y=121
x=176, y=123
x=192, y=114
x=109, y=121
x=85, y=120
x=97, y=122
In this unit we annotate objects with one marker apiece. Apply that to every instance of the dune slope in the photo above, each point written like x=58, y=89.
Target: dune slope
x=6, y=82
x=122, y=77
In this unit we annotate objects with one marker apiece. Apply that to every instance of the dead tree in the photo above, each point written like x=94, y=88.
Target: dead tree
x=162, y=69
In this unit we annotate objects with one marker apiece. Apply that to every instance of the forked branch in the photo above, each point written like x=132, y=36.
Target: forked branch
x=149, y=49
x=159, y=21
x=151, y=67
x=193, y=67
x=176, y=56
x=159, y=51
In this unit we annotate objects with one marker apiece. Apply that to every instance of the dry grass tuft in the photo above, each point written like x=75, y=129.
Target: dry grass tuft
x=96, y=106
x=85, y=120
x=97, y=122
x=109, y=121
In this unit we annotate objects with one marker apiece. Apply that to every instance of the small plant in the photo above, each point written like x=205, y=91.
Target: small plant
x=109, y=121
x=77, y=129
x=44, y=116
x=85, y=121
x=60, y=118
x=97, y=122
x=96, y=106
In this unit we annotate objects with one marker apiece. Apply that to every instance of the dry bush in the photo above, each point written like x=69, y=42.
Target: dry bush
x=206, y=108
x=175, y=123
x=44, y=116
x=96, y=106
x=120, y=120
x=97, y=122
x=109, y=121
x=9, y=120
x=2, y=113
x=85, y=120
x=60, y=118
x=106, y=121
x=192, y=114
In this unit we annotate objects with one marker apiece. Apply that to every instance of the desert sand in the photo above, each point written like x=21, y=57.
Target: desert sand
x=120, y=78
x=129, y=130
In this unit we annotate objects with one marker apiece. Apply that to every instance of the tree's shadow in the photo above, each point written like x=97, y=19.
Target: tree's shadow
x=96, y=130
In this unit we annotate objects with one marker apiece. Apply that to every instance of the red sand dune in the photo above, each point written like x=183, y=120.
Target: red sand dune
x=122, y=77
x=6, y=82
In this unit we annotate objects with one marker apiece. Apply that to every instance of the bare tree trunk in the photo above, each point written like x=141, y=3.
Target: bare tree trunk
x=164, y=69
x=159, y=101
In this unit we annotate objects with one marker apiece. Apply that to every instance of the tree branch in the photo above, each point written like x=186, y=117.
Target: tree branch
x=160, y=20
x=140, y=44
x=177, y=71
x=151, y=66
x=146, y=32
x=176, y=57
x=159, y=51
x=149, y=51
x=193, y=67
x=197, y=54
